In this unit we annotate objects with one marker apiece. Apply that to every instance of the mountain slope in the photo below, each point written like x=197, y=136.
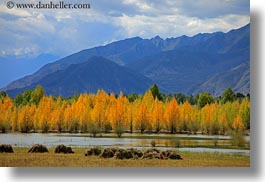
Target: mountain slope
x=96, y=73
x=176, y=64
x=237, y=78
x=179, y=71
x=182, y=69
x=13, y=68
x=119, y=52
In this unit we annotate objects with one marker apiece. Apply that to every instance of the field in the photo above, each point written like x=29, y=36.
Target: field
x=20, y=158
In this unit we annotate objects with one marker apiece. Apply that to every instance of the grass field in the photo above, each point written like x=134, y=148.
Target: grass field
x=20, y=158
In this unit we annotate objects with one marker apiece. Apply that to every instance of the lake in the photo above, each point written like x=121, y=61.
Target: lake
x=163, y=141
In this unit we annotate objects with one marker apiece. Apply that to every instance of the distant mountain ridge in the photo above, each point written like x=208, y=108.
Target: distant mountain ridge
x=14, y=67
x=96, y=73
x=183, y=64
x=238, y=76
x=184, y=69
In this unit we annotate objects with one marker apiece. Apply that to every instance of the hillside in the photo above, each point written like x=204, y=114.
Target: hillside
x=96, y=73
x=183, y=64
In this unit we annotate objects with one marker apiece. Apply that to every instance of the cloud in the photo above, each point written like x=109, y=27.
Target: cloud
x=14, y=12
x=205, y=9
x=200, y=8
x=177, y=25
x=62, y=32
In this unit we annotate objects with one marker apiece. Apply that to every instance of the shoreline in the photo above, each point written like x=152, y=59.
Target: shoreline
x=21, y=158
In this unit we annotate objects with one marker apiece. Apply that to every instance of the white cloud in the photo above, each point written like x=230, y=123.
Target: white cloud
x=176, y=25
x=66, y=31
x=14, y=11
x=62, y=16
x=140, y=4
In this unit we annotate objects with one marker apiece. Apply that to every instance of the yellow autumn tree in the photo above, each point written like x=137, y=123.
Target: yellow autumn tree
x=214, y=119
x=97, y=116
x=43, y=114
x=68, y=117
x=172, y=116
x=117, y=115
x=209, y=122
x=231, y=109
x=205, y=119
x=238, y=124
x=14, y=119
x=130, y=116
x=244, y=111
x=26, y=118
x=148, y=99
x=57, y=116
x=83, y=111
x=193, y=125
x=157, y=116
x=223, y=123
x=76, y=112
x=6, y=108
x=105, y=112
x=142, y=118
x=185, y=115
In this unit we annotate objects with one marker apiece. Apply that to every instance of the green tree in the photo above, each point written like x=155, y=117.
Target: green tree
x=75, y=96
x=23, y=98
x=156, y=92
x=205, y=98
x=26, y=97
x=18, y=100
x=228, y=96
x=2, y=95
x=36, y=95
x=192, y=100
x=132, y=97
x=181, y=98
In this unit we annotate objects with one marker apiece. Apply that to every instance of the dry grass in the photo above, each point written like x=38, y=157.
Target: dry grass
x=191, y=159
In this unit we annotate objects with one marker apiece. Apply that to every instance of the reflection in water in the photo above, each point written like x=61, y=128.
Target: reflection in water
x=182, y=143
x=83, y=141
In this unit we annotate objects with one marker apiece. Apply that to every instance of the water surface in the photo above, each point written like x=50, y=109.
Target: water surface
x=163, y=141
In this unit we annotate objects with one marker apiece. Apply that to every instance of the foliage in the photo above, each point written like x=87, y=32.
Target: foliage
x=238, y=124
x=132, y=97
x=117, y=114
x=29, y=97
x=103, y=112
x=172, y=116
x=228, y=96
x=156, y=92
x=237, y=139
x=2, y=95
x=157, y=116
x=142, y=118
x=205, y=98
x=36, y=95
x=6, y=108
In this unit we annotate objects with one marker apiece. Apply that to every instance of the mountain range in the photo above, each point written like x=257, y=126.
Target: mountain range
x=190, y=65
x=15, y=67
x=89, y=76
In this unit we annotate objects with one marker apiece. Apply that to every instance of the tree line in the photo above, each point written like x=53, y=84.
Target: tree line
x=153, y=112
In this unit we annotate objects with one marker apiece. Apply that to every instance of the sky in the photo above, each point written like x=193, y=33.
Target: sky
x=29, y=33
